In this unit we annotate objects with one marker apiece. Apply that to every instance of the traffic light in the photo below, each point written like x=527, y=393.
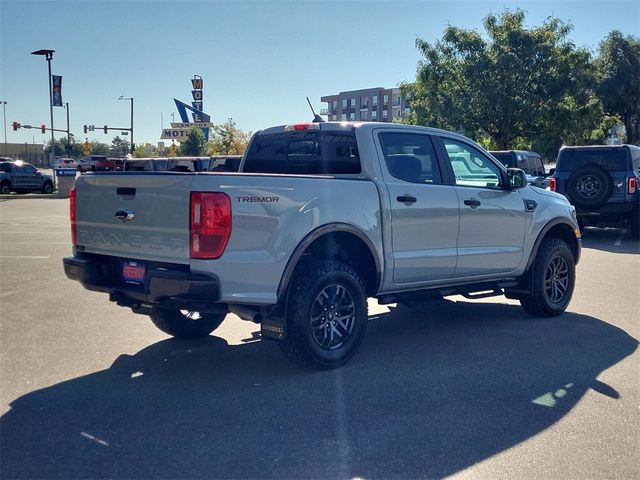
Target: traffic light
x=106, y=129
x=16, y=126
x=85, y=129
x=43, y=128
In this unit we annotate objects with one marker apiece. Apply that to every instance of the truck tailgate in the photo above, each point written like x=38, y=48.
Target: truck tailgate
x=134, y=215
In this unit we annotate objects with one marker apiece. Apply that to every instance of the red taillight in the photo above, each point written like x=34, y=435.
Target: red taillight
x=72, y=215
x=632, y=185
x=553, y=185
x=302, y=126
x=209, y=224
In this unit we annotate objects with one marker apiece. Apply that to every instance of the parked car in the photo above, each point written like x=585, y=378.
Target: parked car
x=21, y=177
x=530, y=162
x=64, y=163
x=602, y=183
x=97, y=163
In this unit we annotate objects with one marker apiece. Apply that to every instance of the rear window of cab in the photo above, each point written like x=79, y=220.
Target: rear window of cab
x=303, y=152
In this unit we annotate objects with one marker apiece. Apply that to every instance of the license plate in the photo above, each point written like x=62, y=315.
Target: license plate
x=133, y=272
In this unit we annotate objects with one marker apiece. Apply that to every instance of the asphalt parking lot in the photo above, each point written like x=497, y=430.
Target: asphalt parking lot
x=466, y=389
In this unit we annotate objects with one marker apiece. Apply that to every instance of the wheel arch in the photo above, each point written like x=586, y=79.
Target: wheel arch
x=338, y=241
x=559, y=229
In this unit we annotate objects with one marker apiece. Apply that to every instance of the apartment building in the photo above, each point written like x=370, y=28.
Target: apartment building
x=369, y=105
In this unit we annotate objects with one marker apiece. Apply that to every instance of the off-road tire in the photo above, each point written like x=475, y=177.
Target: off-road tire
x=327, y=314
x=5, y=188
x=47, y=187
x=589, y=187
x=185, y=324
x=554, y=276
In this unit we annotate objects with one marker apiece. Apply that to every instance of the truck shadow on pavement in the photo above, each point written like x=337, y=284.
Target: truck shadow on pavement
x=613, y=240
x=431, y=392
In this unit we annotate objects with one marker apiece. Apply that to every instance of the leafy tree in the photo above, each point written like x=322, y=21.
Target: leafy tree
x=119, y=147
x=143, y=151
x=194, y=145
x=228, y=139
x=58, y=149
x=98, y=148
x=515, y=83
x=618, y=66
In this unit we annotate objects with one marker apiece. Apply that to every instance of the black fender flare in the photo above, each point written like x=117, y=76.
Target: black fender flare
x=576, y=247
x=315, y=235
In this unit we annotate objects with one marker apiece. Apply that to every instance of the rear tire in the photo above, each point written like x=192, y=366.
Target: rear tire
x=184, y=323
x=327, y=315
x=5, y=188
x=554, y=276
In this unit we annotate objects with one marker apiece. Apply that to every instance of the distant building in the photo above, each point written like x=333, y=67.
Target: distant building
x=29, y=152
x=368, y=105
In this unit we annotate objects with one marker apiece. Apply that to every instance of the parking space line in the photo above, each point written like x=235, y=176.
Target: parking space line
x=22, y=256
x=618, y=242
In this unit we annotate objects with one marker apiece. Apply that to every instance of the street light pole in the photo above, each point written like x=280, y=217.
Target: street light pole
x=48, y=55
x=131, y=129
x=4, y=122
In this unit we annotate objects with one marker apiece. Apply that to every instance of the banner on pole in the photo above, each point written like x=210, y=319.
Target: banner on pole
x=56, y=81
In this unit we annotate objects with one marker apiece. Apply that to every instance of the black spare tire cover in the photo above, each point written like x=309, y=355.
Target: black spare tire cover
x=589, y=187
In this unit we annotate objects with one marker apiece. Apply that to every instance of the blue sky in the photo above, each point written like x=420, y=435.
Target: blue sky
x=259, y=59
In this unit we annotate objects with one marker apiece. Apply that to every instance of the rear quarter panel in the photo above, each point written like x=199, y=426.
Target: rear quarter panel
x=272, y=214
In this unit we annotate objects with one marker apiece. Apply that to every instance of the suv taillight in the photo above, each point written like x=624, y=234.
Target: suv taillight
x=72, y=215
x=632, y=185
x=553, y=184
x=209, y=224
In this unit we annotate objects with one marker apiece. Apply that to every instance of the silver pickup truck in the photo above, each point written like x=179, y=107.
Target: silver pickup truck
x=321, y=217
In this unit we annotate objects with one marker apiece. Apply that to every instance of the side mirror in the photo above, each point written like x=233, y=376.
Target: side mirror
x=552, y=172
x=517, y=178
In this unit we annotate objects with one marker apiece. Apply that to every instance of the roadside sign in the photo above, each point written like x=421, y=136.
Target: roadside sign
x=86, y=148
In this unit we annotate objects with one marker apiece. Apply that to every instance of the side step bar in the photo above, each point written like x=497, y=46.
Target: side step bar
x=472, y=292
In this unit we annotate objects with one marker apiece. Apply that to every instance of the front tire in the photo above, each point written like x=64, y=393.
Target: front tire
x=554, y=276
x=327, y=315
x=47, y=187
x=185, y=323
x=5, y=188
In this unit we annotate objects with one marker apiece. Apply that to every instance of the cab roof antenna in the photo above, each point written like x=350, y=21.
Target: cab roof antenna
x=316, y=118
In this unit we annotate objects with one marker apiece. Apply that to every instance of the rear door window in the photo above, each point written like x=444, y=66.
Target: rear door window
x=304, y=152
x=410, y=157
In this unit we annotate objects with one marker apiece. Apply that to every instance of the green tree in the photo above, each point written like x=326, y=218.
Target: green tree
x=618, y=67
x=144, y=151
x=227, y=139
x=194, y=145
x=119, y=147
x=58, y=149
x=98, y=148
x=514, y=83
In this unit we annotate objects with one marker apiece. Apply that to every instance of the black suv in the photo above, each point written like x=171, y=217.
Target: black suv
x=602, y=183
x=530, y=162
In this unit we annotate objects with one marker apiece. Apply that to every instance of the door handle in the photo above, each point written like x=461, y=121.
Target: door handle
x=473, y=203
x=407, y=199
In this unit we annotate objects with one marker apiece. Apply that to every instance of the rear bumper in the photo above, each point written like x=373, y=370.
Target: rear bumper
x=162, y=286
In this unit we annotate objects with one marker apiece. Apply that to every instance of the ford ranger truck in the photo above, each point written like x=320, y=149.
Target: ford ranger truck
x=319, y=218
